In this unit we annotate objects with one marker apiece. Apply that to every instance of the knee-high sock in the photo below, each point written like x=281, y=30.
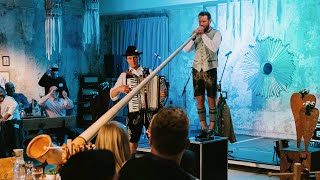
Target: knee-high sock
x=212, y=115
x=202, y=114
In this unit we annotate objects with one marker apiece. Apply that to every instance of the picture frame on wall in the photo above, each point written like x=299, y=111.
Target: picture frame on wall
x=5, y=60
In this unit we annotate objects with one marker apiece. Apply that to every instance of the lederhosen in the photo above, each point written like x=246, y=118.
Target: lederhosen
x=136, y=120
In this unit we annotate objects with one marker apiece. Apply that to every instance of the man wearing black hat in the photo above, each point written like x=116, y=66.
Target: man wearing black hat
x=135, y=120
x=51, y=78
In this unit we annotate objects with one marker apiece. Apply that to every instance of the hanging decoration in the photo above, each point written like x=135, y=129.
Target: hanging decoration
x=53, y=26
x=91, y=24
x=268, y=67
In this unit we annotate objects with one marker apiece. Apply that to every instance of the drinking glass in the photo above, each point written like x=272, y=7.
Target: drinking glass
x=29, y=166
x=37, y=173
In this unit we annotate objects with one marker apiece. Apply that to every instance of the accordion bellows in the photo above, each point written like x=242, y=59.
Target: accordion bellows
x=148, y=98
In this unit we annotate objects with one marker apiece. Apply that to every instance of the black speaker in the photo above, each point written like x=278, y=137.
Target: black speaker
x=113, y=65
x=211, y=158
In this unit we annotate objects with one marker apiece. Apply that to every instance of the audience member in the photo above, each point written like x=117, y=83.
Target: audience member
x=168, y=137
x=20, y=98
x=51, y=78
x=92, y=164
x=113, y=137
x=8, y=111
x=56, y=107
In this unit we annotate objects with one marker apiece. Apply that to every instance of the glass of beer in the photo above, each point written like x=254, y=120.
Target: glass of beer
x=37, y=173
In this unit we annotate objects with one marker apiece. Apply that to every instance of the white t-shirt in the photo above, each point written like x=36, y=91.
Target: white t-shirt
x=10, y=106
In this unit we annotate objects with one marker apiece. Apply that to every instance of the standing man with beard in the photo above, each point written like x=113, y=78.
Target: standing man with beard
x=51, y=78
x=204, y=71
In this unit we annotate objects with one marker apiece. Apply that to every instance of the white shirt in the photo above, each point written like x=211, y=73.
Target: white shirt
x=55, y=107
x=10, y=106
x=212, y=44
x=122, y=77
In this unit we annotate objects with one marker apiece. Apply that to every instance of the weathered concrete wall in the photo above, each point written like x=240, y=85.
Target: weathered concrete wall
x=22, y=37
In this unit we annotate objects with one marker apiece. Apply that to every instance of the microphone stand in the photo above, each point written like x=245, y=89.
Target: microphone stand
x=154, y=63
x=221, y=103
x=219, y=84
x=184, y=92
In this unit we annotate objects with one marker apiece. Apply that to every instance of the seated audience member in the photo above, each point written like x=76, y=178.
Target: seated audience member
x=113, y=137
x=56, y=107
x=19, y=97
x=8, y=111
x=52, y=78
x=168, y=137
x=92, y=164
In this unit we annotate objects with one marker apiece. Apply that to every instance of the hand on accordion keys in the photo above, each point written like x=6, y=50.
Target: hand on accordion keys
x=124, y=89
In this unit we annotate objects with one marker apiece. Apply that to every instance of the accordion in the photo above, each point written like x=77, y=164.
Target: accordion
x=148, y=98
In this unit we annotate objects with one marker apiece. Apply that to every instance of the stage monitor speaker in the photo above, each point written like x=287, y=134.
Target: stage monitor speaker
x=113, y=65
x=211, y=158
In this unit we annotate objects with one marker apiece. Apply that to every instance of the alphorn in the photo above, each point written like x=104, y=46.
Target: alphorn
x=92, y=131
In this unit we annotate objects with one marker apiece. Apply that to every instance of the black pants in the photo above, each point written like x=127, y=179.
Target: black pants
x=135, y=123
x=7, y=139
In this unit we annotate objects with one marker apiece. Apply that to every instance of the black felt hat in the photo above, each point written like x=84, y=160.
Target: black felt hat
x=131, y=51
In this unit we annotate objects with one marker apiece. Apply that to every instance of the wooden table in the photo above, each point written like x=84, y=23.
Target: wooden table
x=33, y=123
x=41, y=123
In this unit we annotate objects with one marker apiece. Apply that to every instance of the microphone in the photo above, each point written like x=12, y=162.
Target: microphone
x=157, y=55
x=228, y=53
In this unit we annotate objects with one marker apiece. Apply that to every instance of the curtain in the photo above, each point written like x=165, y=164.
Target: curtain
x=123, y=35
x=149, y=35
x=152, y=39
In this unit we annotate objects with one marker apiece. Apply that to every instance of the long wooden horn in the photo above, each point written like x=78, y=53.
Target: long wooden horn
x=90, y=133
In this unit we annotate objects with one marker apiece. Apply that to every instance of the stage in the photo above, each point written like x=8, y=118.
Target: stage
x=248, y=151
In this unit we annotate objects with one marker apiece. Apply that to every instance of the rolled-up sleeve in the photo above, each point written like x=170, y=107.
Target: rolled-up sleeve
x=118, y=83
x=214, y=43
x=189, y=46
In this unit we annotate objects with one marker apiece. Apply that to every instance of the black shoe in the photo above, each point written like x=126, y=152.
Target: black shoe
x=211, y=133
x=203, y=135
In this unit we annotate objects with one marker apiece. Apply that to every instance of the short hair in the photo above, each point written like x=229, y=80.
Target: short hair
x=205, y=13
x=169, y=131
x=92, y=164
x=113, y=137
x=9, y=85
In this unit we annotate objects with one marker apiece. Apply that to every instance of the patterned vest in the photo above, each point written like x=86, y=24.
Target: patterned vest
x=204, y=58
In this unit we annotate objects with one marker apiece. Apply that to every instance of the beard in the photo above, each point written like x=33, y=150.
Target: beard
x=206, y=29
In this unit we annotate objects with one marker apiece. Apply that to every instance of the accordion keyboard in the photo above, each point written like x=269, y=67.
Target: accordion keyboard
x=135, y=102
